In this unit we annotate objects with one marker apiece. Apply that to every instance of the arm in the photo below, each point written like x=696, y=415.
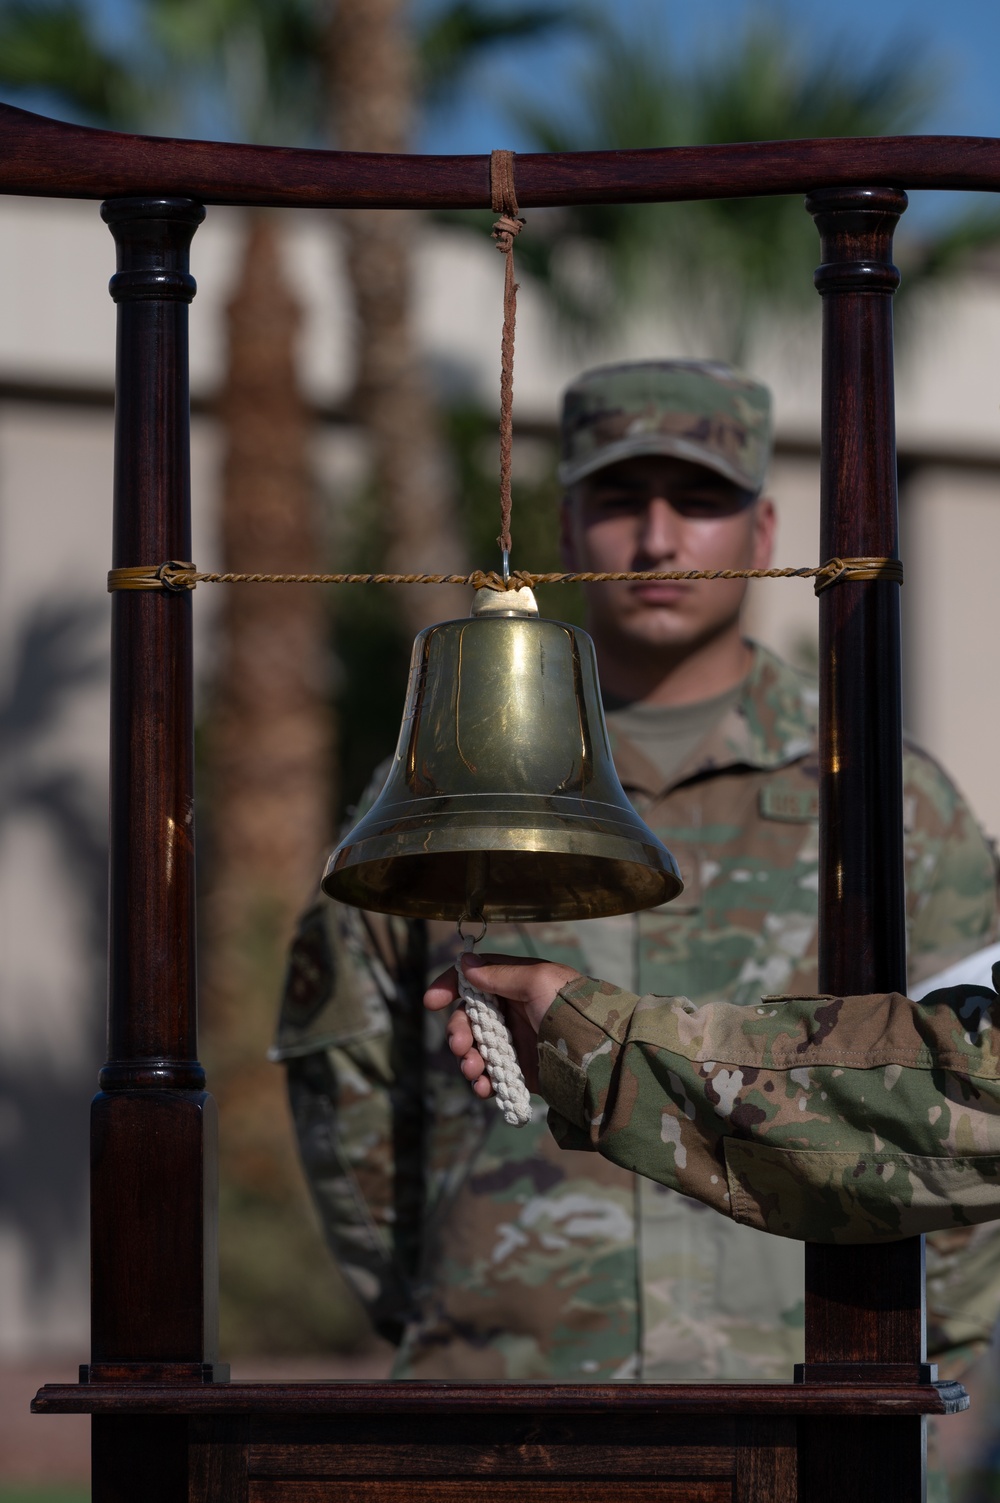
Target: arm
x=349, y=1010
x=850, y=1119
x=951, y=909
x=951, y=871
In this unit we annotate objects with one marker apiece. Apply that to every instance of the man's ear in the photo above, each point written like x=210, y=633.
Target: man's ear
x=765, y=527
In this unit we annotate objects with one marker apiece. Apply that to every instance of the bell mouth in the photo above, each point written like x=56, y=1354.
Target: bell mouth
x=529, y=868
x=525, y=886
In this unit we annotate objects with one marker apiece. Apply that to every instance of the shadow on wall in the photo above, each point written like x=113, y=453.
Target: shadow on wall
x=53, y=888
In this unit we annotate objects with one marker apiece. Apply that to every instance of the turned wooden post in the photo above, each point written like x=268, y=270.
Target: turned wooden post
x=864, y=1305
x=153, y=1158
x=153, y=1145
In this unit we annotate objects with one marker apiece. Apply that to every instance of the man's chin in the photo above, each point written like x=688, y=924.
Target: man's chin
x=658, y=630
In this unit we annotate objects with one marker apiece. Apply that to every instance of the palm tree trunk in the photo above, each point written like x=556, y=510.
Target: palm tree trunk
x=268, y=752
x=371, y=73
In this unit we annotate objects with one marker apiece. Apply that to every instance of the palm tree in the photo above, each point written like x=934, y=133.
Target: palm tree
x=268, y=739
x=253, y=71
x=722, y=265
x=372, y=96
x=383, y=72
x=386, y=72
x=266, y=753
x=268, y=766
x=53, y=51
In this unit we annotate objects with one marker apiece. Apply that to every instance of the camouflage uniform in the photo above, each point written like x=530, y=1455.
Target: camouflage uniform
x=830, y=1119
x=700, y=410
x=518, y=1260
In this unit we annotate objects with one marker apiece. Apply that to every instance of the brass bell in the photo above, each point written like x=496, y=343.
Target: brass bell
x=502, y=801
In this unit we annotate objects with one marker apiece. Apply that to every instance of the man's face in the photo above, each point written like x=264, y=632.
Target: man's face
x=658, y=513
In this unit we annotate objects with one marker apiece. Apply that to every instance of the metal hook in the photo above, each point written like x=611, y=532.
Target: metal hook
x=467, y=938
x=505, y=566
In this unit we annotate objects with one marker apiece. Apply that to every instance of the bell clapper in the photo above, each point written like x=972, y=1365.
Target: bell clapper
x=493, y=1040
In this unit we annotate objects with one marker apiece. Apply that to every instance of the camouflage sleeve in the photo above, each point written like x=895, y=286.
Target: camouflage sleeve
x=951, y=870
x=337, y=1037
x=962, y=1295
x=826, y=1119
x=951, y=901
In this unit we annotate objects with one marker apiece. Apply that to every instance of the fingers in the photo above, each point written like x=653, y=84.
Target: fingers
x=511, y=976
x=530, y=984
x=443, y=991
x=470, y=1061
x=460, y=1037
x=462, y=1043
x=503, y=975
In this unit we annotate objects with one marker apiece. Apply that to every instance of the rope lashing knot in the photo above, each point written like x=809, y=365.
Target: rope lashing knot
x=173, y=575
x=836, y=569
x=505, y=231
x=503, y=194
x=494, y=1043
x=176, y=576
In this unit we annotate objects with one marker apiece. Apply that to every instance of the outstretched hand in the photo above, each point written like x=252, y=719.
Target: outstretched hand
x=526, y=987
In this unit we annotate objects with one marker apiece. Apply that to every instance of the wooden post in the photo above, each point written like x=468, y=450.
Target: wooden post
x=864, y=1305
x=153, y=1195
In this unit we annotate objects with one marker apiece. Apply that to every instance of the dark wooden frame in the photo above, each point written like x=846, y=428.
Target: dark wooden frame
x=167, y=1424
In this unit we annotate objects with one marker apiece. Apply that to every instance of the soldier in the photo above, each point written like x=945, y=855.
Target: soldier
x=488, y=1252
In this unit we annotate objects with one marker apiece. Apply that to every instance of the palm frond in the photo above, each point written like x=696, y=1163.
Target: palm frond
x=722, y=265
x=53, y=48
x=456, y=36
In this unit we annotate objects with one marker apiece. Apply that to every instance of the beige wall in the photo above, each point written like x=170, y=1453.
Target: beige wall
x=950, y=544
x=951, y=549
x=55, y=536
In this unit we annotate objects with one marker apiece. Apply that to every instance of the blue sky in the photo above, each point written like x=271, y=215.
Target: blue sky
x=962, y=38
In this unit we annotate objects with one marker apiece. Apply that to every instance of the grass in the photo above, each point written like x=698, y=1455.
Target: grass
x=25, y=1493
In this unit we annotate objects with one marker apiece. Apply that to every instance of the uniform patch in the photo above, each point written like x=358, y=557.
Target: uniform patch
x=779, y=800
x=310, y=979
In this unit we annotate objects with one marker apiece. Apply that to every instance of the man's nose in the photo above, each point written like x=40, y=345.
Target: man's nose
x=659, y=535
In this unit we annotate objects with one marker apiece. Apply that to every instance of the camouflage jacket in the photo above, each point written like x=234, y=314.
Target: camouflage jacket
x=487, y=1249
x=828, y=1119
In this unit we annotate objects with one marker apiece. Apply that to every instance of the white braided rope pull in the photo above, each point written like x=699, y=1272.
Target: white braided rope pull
x=494, y=1043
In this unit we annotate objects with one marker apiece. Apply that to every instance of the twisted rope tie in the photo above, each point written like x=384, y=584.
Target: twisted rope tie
x=494, y=1043
x=177, y=577
x=503, y=197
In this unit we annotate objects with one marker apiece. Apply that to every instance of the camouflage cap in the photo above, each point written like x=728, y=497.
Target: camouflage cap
x=701, y=410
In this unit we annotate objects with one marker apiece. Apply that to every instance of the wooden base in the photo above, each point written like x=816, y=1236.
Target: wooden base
x=390, y=1442
x=601, y=1403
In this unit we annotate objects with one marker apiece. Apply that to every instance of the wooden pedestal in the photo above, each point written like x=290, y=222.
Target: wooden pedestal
x=476, y=1443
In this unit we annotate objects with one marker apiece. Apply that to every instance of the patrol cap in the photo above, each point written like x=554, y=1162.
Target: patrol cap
x=700, y=410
